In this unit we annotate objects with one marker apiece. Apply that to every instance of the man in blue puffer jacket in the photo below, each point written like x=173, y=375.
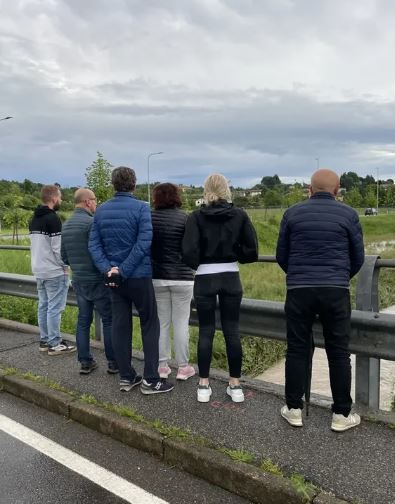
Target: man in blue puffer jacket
x=320, y=247
x=120, y=245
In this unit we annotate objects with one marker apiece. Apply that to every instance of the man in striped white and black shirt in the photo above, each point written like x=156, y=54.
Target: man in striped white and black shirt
x=51, y=273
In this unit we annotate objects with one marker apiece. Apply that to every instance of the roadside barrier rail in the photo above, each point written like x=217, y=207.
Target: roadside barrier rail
x=372, y=333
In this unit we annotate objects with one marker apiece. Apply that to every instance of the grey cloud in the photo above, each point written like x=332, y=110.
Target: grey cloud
x=251, y=88
x=265, y=132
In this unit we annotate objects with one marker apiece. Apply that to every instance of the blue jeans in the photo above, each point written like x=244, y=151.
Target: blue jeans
x=52, y=295
x=90, y=296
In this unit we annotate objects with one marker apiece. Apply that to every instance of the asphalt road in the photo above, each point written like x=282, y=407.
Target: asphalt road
x=29, y=476
x=357, y=465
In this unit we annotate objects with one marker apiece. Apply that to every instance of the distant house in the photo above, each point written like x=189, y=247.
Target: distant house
x=251, y=193
x=199, y=202
x=341, y=193
x=183, y=188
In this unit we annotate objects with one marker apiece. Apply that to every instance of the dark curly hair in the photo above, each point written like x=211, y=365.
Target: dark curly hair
x=166, y=195
x=123, y=179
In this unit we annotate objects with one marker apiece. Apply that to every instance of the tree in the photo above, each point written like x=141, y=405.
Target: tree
x=28, y=187
x=295, y=195
x=272, y=198
x=98, y=178
x=29, y=202
x=349, y=180
x=353, y=198
x=241, y=201
x=270, y=182
x=141, y=192
x=16, y=218
x=370, y=197
x=389, y=198
x=367, y=181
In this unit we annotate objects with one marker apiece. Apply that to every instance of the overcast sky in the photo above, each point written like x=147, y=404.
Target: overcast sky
x=245, y=87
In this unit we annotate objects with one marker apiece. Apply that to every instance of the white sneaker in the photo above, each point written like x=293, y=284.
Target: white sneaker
x=235, y=392
x=293, y=416
x=204, y=393
x=341, y=423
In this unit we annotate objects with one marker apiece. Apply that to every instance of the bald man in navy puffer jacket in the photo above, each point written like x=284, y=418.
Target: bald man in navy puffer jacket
x=320, y=248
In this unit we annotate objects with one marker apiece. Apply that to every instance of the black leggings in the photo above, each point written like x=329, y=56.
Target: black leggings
x=227, y=287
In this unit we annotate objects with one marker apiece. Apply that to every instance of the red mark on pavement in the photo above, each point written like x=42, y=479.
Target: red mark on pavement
x=230, y=405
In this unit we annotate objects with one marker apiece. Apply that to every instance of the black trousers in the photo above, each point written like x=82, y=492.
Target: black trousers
x=140, y=292
x=332, y=305
x=227, y=287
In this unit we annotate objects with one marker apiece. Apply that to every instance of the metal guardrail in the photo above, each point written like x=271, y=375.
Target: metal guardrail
x=14, y=247
x=372, y=333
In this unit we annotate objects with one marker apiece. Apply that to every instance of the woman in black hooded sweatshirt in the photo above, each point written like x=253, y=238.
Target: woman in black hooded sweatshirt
x=217, y=237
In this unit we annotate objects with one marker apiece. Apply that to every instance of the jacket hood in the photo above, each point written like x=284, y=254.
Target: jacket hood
x=221, y=210
x=42, y=210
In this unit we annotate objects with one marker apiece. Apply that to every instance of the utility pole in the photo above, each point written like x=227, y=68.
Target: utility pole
x=148, y=184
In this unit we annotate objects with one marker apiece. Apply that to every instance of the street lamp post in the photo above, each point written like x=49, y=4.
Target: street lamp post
x=148, y=185
x=377, y=192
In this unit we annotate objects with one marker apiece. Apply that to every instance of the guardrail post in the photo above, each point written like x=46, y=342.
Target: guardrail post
x=367, y=369
x=98, y=327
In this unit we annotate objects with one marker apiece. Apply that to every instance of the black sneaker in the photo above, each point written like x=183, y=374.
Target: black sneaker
x=127, y=385
x=112, y=367
x=88, y=367
x=159, y=387
x=43, y=347
x=62, y=349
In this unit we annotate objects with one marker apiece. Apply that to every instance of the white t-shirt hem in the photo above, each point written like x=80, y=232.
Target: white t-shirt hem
x=212, y=268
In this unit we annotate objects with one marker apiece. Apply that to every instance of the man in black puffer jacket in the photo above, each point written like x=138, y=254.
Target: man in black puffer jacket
x=320, y=247
x=88, y=282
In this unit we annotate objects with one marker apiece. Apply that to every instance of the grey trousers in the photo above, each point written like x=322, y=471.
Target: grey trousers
x=174, y=305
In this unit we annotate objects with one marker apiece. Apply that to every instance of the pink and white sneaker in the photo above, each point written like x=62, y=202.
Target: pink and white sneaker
x=164, y=371
x=185, y=372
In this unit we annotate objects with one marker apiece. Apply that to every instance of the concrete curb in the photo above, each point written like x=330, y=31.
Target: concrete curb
x=123, y=429
x=240, y=478
x=38, y=394
x=324, y=498
x=237, y=477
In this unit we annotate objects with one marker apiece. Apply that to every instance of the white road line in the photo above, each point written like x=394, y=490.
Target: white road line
x=89, y=470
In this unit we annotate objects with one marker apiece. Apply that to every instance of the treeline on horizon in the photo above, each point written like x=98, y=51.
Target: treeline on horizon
x=19, y=199
x=354, y=190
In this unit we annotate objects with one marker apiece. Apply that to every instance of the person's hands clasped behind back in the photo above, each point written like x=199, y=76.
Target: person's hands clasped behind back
x=113, y=278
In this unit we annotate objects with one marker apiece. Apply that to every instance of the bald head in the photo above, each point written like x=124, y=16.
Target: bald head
x=325, y=181
x=85, y=198
x=83, y=194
